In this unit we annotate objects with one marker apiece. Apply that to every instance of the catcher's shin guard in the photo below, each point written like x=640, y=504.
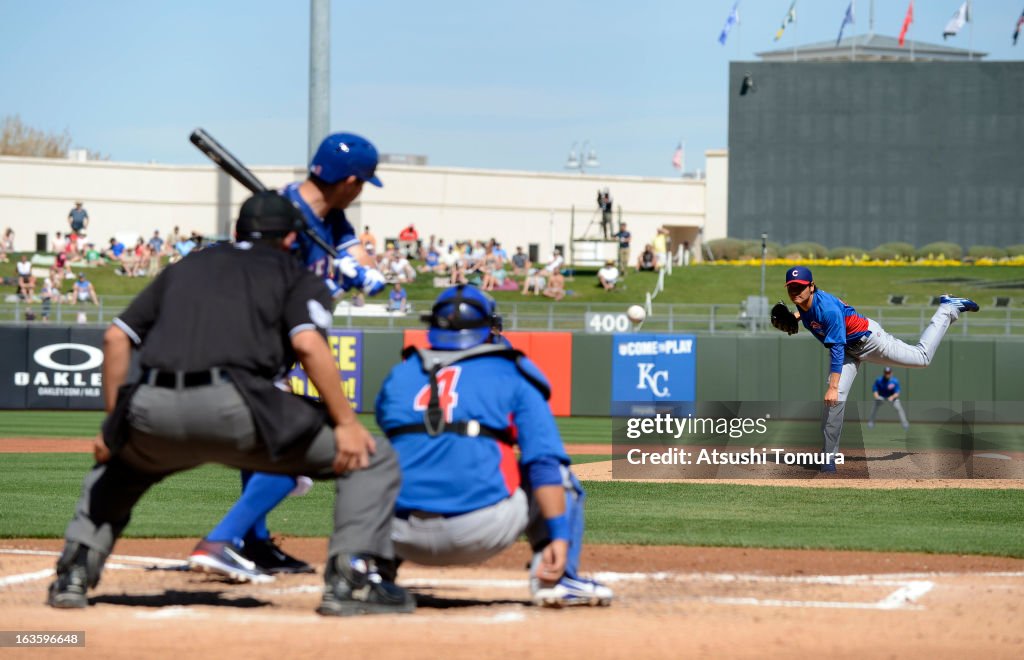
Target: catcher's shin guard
x=353, y=585
x=78, y=569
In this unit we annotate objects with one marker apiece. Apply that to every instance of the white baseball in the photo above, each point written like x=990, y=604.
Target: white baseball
x=636, y=313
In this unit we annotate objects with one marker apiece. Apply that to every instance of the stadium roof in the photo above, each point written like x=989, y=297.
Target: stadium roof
x=871, y=48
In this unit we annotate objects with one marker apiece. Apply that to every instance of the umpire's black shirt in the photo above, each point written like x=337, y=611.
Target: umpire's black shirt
x=235, y=306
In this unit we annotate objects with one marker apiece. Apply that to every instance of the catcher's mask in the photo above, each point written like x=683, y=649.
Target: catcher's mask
x=463, y=316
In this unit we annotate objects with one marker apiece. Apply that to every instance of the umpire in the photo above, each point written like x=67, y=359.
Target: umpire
x=214, y=332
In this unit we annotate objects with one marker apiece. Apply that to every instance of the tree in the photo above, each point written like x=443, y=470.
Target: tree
x=19, y=139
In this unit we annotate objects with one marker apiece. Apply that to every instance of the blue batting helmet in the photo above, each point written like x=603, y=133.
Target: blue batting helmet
x=342, y=155
x=463, y=316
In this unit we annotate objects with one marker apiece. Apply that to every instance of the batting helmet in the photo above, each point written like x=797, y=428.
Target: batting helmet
x=463, y=316
x=342, y=155
x=267, y=215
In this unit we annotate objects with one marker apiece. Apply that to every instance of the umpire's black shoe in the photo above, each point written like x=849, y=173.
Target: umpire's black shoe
x=68, y=590
x=353, y=586
x=272, y=559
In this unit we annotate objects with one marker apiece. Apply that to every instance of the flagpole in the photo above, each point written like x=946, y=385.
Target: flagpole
x=794, y=33
x=970, y=34
x=853, y=42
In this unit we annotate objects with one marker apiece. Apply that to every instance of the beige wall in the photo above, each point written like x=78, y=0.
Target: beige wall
x=517, y=208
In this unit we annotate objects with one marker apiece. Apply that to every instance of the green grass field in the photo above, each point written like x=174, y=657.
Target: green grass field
x=40, y=490
x=711, y=284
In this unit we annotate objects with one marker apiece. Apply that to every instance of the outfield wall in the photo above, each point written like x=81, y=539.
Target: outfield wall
x=48, y=367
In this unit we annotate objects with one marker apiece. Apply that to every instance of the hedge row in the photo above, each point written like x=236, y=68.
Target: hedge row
x=737, y=249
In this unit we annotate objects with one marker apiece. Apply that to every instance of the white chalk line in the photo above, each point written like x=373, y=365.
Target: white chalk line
x=909, y=586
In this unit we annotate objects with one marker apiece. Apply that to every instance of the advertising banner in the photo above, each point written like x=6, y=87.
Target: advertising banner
x=653, y=368
x=51, y=368
x=347, y=349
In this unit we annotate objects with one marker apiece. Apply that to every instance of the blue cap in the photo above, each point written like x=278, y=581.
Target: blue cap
x=799, y=275
x=342, y=155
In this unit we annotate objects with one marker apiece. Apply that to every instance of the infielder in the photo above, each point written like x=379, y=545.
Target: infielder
x=852, y=339
x=337, y=172
x=257, y=311
x=455, y=414
x=887, y=388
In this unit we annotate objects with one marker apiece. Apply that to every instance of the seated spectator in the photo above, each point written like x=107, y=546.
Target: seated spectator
x=520, y=263
x=500, y=251
x=608, y=275
x=59, y=267
x=556, y=286
x=647, y=260
x=398, y=299
x=432, y=262
x=182, y=248
x=138, y=262
x=555, y=265
x=369, y=241
x=535, y=281
x=92, y=255
x=115, y=252
x=493, y=270
x=26, y=280
x=402, y=270
x=84, y=292
x=59, y=245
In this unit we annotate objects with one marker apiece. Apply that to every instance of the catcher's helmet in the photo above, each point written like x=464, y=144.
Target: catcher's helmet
x=267, y=215
x=342, y=155
x=462, y=317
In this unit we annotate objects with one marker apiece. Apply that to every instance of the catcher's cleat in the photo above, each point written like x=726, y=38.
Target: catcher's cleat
x=353, y=586
x=572, y=591
x=273, y=560
x=225, y=559
x=961, y=304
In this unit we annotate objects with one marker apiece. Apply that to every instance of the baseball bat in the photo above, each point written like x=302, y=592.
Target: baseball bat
x=233, y=167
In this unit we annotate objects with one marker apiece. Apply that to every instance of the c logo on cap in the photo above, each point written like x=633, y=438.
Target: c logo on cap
x=795, y=273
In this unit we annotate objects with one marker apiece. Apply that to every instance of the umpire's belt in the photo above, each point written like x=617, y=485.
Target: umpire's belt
x=471, y=429
x=180, y=380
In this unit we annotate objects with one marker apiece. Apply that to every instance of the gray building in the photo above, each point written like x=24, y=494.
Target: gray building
x=859, y=145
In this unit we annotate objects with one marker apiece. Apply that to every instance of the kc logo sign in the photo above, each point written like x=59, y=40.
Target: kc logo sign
x=653, y=367
x=655, y=381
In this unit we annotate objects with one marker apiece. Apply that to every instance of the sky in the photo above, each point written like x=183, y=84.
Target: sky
x=467, y=83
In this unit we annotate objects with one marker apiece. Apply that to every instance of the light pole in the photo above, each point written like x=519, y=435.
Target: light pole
x=587, y=157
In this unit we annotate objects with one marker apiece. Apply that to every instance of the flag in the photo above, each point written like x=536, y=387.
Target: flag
x=789, y=18
x=733, y=19
x=906, y=22
x=847, y=20
x=677, y=157
x=1016, y=32
x=962, y=15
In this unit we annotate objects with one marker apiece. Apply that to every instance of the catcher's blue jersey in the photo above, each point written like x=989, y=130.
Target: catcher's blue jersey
x=453, y=473
x=334, y=229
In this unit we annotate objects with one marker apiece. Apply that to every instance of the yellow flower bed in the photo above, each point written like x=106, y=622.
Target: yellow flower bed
x=868, y=262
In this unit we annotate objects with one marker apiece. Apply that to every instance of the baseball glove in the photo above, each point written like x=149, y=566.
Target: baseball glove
x=783, y=319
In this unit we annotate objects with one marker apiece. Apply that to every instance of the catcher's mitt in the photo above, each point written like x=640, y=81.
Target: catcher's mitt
x=783, y=319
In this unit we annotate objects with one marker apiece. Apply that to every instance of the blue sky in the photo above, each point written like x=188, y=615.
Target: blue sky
x=469, y=83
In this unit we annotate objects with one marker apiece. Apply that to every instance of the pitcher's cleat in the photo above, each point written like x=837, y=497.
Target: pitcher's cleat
x=961, y=304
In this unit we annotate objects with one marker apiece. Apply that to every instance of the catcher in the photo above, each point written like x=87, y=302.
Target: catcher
x=852, y=339
x=455, y=413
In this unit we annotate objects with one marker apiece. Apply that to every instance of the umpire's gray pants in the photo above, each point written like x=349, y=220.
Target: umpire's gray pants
x=175, y=430
x=882, y=348
x=467, y=539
